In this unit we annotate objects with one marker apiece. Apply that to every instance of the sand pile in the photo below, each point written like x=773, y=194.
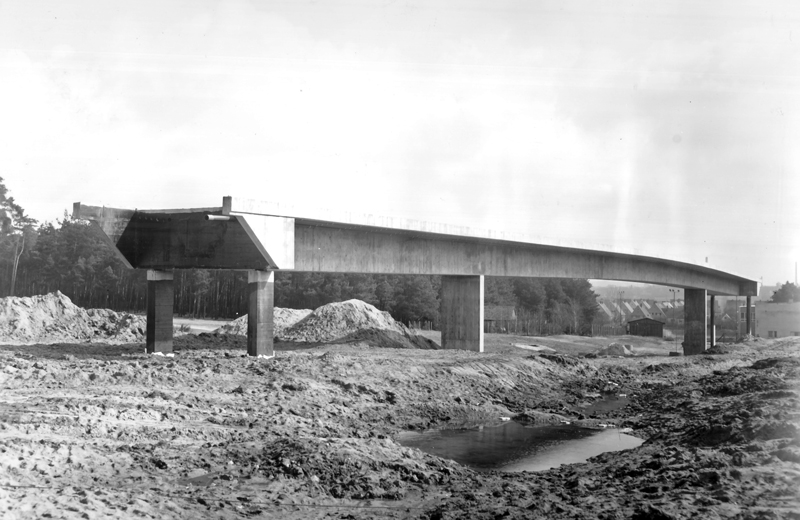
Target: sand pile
x=353, y=321
x=341, y=319
x=340, y=322
x=615, y=349
x=53, y=318
x=282, y=319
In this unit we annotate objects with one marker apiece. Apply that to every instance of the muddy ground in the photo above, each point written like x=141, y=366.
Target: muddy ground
x=106, y=431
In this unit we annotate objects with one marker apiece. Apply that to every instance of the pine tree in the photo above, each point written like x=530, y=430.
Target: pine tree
x=17, y=234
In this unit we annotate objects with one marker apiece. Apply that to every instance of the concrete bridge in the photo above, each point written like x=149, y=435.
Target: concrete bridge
x=263, y=237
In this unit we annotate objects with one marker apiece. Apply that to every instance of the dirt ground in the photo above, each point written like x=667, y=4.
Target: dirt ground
x=106, y=431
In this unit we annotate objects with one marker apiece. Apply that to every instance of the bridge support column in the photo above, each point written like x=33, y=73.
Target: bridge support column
x=261, y=293
x=711, y=328
x=461, y=312
x=749, y=324
x=160, y=297
x=694, y=314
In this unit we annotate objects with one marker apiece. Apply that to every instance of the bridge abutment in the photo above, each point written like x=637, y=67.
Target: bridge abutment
x=461, y=313
x=694, y=314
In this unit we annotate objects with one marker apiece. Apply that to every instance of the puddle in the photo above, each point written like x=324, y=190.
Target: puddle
x=514, y=447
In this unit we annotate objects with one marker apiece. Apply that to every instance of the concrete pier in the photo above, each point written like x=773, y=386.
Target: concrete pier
x=261, y=293
x=749, y=321
x=694, y=309
x=160, y=298
x=461, y=313
x=711, y=326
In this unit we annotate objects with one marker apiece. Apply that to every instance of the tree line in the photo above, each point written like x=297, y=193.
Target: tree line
x=71, y=256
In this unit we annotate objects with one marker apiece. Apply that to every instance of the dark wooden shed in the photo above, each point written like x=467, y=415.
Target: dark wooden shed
x=646, y=327
x=499, y=318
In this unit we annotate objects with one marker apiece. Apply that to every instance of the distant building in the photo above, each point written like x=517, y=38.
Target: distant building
x=657, y=313
x=639, y=313
x=673, y=317
x=496, y=318
x=777, y=320
x=618, y=311
x=652, y=312
x=607, y=314
x=741, y=316
x=646, y=327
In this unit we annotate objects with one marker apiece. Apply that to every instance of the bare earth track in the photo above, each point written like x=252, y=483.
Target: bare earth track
x=106, y=431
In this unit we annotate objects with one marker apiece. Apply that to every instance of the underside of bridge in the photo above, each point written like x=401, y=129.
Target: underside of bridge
x=263, y=237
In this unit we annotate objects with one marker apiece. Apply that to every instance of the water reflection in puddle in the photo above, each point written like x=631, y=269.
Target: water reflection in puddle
x=514, y=447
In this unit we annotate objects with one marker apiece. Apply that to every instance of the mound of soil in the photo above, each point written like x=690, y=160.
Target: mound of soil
x=354, y=321
x=53, y=318
x=719, y=348
x=281, y=320
x=388, y=339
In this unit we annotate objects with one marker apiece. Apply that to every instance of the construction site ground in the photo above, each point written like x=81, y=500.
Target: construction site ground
x=95, y=430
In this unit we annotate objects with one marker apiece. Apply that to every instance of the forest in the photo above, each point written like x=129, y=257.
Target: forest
x=70, y=256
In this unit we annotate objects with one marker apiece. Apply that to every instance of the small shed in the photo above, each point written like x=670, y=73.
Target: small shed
x=646, y=327
x=497, y=318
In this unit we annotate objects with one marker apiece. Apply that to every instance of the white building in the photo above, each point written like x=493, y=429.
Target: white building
x=777, y=320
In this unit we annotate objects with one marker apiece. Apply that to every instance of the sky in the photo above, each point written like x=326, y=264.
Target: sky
x=666, y=128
